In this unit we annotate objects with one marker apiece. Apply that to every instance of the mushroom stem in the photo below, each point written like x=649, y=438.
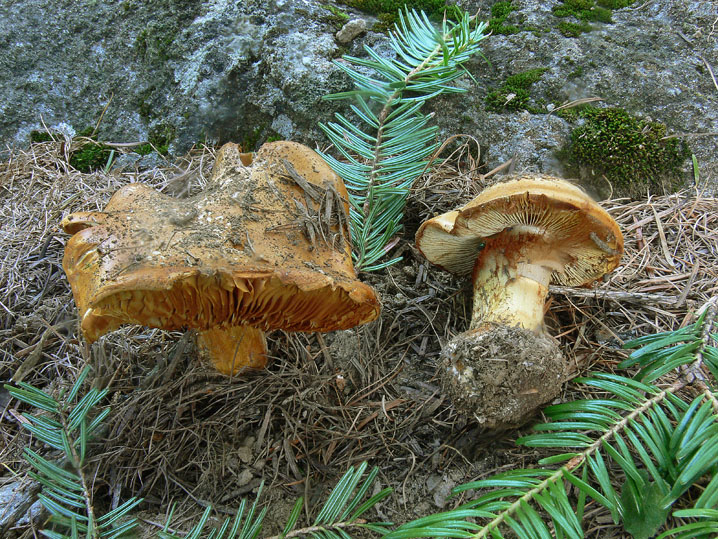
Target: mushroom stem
x=511, y=278
x=233, y=349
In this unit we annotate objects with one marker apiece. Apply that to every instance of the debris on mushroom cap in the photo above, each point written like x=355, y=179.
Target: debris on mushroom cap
x=587, y=240
x=264, y=245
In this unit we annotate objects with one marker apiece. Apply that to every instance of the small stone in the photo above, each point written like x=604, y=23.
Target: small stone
x=245, y=454
x=245, y=476
x=351, y=30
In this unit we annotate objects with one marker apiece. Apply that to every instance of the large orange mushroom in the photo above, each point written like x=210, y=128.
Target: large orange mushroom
x=514, y=239
x=264, y=246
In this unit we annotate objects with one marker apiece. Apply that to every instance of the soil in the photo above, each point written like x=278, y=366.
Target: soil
x=180, y=433
x=501, y=375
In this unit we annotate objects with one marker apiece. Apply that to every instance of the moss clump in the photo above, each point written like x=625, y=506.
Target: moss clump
x=576, y=73
x=40, y=136
x=573, y=29
x=161, y=136
x=630, y=152
x=387, y=10
x=90, y=157
x=585, y=12
x=514, y=94
x=336, y=17
x=155, y=44
x=144, y=149
x=143, y=102
x=88, y=132
x=615, y=4
x=250, y=141
x=499, y=13
x=570, y=115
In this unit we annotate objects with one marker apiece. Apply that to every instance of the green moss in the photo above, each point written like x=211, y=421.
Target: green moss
x=143, y=102
x=576, y=73
x=393, y=6
x=161, y=136
x=499, y=13
x=387, y=10
x=600, y=14
x=155, y=43
x=514, y=94
x=337, y=17
x=584, y=12
x=573, y=29
x=90, y=157
x=40, y=136
x=86, y=132
x=615, y=4
x=144, y=149
x=501, y=10
x=570, y=115
x=525, y=79
x=340, y=51
x=630, y=152
x=250, y=141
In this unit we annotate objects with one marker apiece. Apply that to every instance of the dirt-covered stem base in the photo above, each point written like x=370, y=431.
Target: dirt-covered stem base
x=501, y=375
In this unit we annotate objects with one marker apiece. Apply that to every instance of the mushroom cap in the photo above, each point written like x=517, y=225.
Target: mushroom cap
x=588, y=241
x=251, y=249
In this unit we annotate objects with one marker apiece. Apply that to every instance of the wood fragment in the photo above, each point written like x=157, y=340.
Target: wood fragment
x=617, y=295
x=689, y=284
x=32, y=359
x=307, y=187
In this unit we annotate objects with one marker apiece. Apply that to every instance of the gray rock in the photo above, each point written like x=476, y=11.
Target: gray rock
x=221, y=70
x=19, y=504
x=245, y=71
x=640, y=63
x=351, y=30
x=134, y=161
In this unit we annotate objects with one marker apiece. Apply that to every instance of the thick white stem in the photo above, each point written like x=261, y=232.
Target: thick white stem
x=509, y=288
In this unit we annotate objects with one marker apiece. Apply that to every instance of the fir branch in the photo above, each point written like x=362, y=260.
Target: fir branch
x=384, y=156
x=562, y=473
x=67, y=427
x=693, y=372
x=662, y=444
x=321, y=530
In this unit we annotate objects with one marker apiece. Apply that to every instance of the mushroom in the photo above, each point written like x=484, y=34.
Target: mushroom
x=264, y=246
x=514, y=239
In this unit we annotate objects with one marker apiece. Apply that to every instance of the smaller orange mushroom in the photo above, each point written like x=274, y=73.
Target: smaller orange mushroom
x=264, y=246
x=514, y=239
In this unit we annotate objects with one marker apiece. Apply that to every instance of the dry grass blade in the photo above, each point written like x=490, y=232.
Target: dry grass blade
x=179, y=431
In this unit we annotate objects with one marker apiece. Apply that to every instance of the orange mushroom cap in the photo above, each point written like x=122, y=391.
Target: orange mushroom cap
x=245, y=251
x=587, y=241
